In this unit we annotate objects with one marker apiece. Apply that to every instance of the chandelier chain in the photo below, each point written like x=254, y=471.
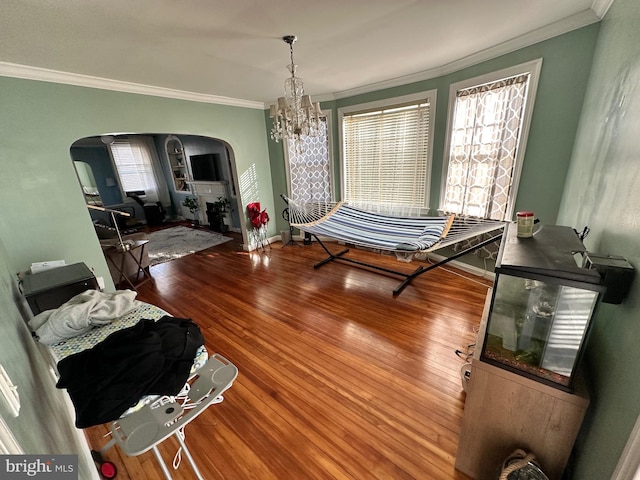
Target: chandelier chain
x=293, y=71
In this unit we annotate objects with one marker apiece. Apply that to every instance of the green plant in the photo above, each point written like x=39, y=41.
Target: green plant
x=221, y=205
x=216, y=212
x=192, y=204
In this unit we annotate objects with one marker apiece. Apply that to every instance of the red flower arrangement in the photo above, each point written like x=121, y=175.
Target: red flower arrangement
x=258, y=218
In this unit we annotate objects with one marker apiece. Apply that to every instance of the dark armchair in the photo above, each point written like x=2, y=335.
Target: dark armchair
x=153, y=212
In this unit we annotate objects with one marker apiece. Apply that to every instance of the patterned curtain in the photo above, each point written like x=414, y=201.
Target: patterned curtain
x=484, y=141
x=310, y=169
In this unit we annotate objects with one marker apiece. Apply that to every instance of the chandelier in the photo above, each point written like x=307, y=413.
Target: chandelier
x=294, y=115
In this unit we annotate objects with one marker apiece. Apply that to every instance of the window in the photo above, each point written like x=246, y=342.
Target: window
x=488, y=125
x=134, y=164
x=387, y=154
x=309, y=168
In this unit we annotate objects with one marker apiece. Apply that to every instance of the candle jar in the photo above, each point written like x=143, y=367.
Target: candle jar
x=525, y=224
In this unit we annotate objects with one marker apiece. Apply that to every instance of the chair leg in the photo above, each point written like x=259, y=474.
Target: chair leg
x=188, y=455
x=165, y=470
x=109, y=444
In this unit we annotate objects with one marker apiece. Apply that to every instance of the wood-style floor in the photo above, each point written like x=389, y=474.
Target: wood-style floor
x=337, y=378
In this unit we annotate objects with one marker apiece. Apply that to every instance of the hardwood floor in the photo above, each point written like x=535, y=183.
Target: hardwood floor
x=337, y=378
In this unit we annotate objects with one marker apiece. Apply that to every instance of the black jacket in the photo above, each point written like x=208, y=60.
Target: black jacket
x=152, y=357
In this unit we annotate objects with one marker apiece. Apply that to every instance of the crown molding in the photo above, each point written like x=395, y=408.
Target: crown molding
x=579, y=20
x=54, y=76
x=601, y=7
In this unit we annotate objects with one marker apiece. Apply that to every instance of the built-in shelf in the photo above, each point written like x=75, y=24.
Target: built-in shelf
x=177, y=164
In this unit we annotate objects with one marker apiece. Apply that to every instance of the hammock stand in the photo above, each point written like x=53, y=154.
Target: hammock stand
x=311, y=218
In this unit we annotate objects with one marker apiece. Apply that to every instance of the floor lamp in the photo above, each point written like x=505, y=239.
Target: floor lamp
x=122, y=247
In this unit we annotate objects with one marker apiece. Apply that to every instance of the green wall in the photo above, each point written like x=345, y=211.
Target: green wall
x=43, y=408
x=565, y=71
x=603, y=191
x=43, y=213
x=278, y=178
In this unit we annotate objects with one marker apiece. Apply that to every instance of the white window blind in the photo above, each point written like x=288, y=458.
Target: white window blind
x=135, y=167
x=386, y=156
x=485, y=137
x=309, y=168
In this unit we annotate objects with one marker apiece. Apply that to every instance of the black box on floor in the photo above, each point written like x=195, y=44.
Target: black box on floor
x=154, y=214
x=616, y=273
x=50, y=289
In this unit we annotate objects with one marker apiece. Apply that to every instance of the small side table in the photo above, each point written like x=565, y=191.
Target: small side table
x=118, y=259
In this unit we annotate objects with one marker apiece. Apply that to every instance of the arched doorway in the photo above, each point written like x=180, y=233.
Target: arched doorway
x=179, y=166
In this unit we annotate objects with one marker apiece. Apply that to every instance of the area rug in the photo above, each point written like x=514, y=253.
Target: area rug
x=175, y=242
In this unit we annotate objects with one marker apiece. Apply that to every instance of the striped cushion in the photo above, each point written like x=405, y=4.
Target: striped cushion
x=379, y=231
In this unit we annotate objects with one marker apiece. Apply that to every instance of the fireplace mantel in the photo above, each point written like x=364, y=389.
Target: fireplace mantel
x=208, y=192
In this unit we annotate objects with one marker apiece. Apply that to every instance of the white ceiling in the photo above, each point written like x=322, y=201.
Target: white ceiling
x=234, y=48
